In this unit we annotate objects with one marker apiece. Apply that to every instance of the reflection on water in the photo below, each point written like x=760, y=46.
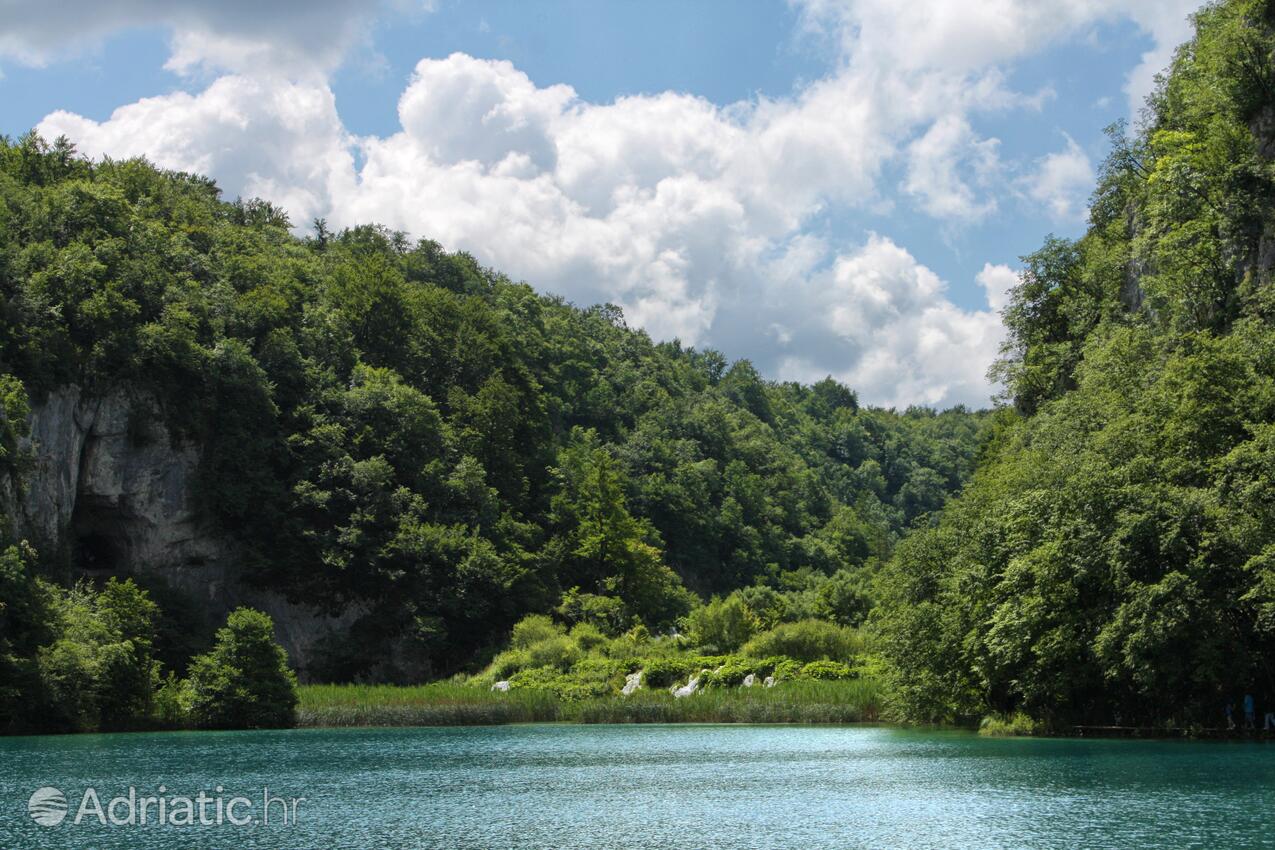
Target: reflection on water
x=653, y=786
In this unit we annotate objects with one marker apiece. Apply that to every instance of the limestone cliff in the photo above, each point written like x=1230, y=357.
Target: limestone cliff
x=110, y=493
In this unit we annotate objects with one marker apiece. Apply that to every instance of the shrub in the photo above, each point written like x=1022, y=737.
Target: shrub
x=732, y=672
x=559, y=652
x=826, y=670
x=806, y=640
x=245, y=681
x=664, y=672
x=587, y=636
x=1013, y=725
x=507, y=663
x=723, y=623
x=787, y=670
x=533, y=628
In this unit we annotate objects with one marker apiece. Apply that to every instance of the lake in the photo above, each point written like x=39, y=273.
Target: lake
x=635, y=787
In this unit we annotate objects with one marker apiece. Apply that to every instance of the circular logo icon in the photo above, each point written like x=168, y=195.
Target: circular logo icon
x=47, y=806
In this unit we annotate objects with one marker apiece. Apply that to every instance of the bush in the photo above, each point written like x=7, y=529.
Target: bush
x=532, y=629
x=588, y=637
x=1013, y=725
x=664, y=672
x=559, y=652
x=245, y=681
x=806, y=640
x=732, y=672
x=787, y=670
x=826, y=671
x=723, y=623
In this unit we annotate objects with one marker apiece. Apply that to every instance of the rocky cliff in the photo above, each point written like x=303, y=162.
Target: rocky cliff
x=109, y=492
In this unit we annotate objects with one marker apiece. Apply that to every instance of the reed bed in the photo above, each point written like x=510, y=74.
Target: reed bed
x=449, y=704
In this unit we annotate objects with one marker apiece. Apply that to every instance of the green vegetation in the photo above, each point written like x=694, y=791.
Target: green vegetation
x=245, y=681
x=388, y=428
x=450, y=704
x=80, y=660
x=1114, y=556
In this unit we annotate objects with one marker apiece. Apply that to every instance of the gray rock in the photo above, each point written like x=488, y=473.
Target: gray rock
x=503, y=687
x=750, y=680
x=110, y=490
x=689, y=688
x=770, y=681
x=632, y=682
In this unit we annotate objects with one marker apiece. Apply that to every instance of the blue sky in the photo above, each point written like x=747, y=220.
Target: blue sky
x=824, y=186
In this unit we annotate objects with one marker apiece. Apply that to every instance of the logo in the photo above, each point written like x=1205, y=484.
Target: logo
x=47, y=806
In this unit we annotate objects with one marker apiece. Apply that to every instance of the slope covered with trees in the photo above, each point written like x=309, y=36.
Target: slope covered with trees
x=387, y=426
x=1114, y=557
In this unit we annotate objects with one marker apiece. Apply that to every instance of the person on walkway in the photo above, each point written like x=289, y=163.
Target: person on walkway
x=1230, y=714
x=1270, y=721
x=1250, y=712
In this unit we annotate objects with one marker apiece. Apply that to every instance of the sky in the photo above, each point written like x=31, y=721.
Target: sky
x=824, y=187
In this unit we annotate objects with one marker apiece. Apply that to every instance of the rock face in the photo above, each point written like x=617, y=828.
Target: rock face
x=750, y=680
x=632, y=682
x=502, y=686
x=109, y=492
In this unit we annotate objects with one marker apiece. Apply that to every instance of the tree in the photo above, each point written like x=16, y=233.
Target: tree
x=245, y=681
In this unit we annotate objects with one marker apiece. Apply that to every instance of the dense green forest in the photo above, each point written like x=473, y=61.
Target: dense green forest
x=385, y=424
x=1114, y=556
x=539, y=497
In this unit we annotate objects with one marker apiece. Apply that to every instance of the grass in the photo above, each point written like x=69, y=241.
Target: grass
x=450, y=704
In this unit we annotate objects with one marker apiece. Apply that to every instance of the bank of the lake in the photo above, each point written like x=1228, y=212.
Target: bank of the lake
x=723, y=786
x=448, y=704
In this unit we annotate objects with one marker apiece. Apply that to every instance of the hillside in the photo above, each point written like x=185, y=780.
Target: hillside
x=1114, y=558
x=397, y=452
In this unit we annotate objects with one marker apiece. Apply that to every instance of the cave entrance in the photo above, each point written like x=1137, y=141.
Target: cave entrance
x=99, y=553
x=101, y=544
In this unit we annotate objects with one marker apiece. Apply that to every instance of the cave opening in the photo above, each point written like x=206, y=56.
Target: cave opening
x=101, y=545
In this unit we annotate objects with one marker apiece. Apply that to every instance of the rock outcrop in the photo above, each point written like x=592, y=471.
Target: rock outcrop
x=110, y=493
x=632, y=682
x=689, y=688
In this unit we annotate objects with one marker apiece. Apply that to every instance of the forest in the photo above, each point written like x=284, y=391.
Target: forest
x=388, y=427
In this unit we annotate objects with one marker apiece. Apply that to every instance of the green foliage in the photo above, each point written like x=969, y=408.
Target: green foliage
x=245, y=681
x=534, y=628
x=807, y=640
x=99, y=672
x=826, y=671
x=844, y=599
x=1016, y=725
x=1111, y=557
x=724, y=624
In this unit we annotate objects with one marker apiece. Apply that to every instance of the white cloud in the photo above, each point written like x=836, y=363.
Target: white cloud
x=293, y=36
x=997, y=281
x=262, y=137
x=938, y=163
x=1062, y=182
x=912, y=345
x=696, y=218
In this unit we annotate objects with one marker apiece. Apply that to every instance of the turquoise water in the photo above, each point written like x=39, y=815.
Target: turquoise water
x=650, y=787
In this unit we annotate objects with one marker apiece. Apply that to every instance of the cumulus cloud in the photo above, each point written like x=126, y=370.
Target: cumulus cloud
x=696, y=218
x=937, y=164
x=1061, y=183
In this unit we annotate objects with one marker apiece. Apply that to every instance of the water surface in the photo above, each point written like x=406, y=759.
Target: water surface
x=652, y=787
